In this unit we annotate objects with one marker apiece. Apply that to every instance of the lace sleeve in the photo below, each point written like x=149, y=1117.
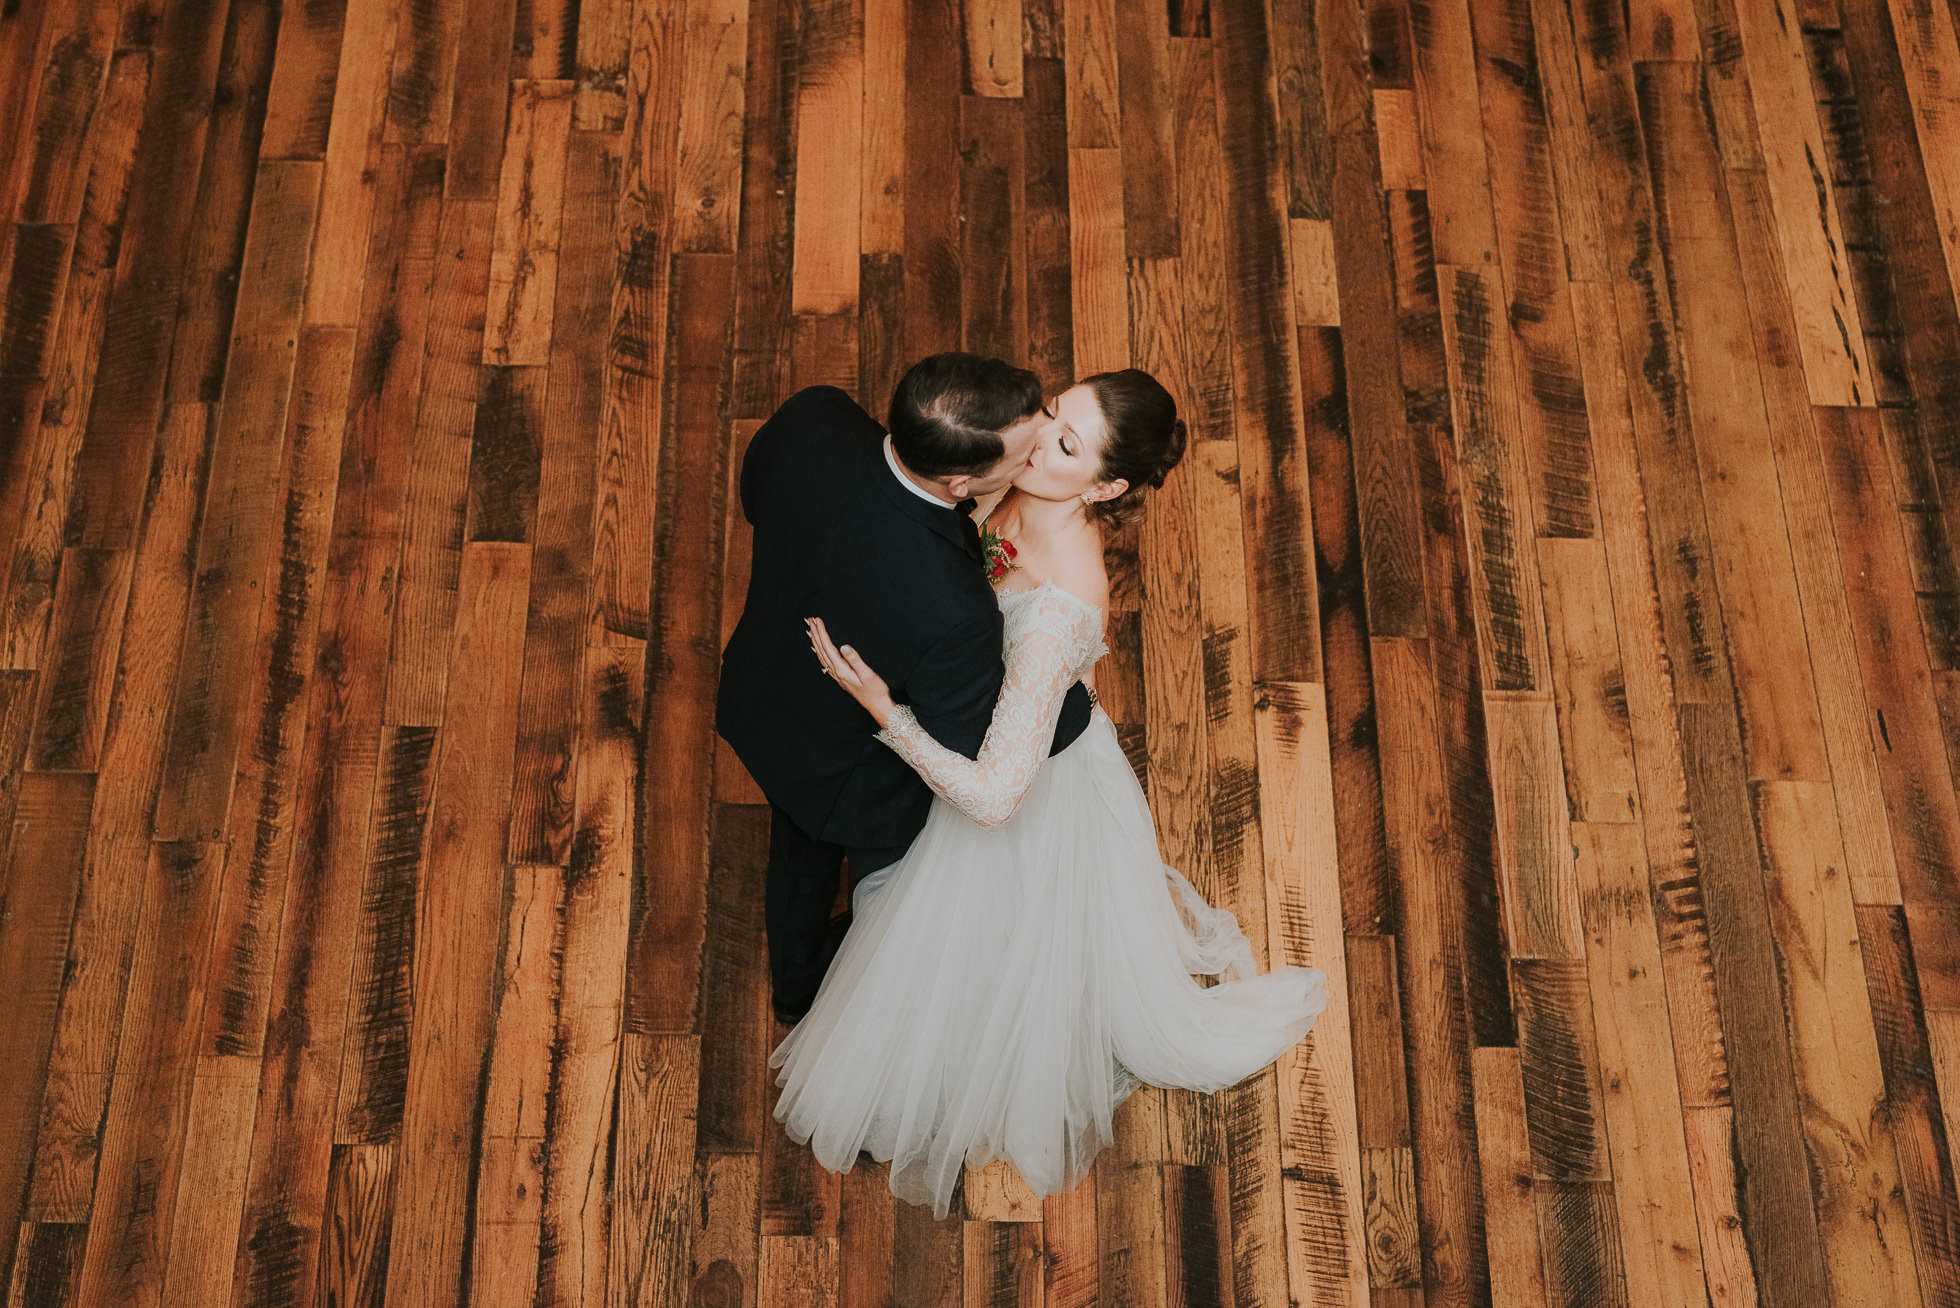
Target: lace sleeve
x=1060, y=640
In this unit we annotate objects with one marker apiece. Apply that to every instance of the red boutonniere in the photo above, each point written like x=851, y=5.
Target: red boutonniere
x=999, y=553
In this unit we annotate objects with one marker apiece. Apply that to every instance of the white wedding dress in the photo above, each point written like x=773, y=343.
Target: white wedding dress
x=1030, y=959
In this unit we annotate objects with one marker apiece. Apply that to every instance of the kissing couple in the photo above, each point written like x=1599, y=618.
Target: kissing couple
x=914, y=695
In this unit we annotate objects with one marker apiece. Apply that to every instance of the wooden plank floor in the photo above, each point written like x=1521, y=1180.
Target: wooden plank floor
x=1553, y=632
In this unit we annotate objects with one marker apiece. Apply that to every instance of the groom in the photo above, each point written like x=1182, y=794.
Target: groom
x=874, y=534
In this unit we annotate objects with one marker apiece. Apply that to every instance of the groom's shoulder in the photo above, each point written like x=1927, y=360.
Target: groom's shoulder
x=829, y=408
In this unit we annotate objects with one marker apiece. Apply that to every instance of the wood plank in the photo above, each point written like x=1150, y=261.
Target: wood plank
x=1550, y=397
x=1913, y=766
x=84, y=642
x=653, y=1188
x=211, y=1182
x=530, y=216
x=993, y=49
x=44, y=416
x=725, y=1248
x=1499, y=521
x=1320, y=1138
x=263, y=817
x=349, y=164
x=456, y=928
x=354, y=1240
x=1197, y=1226
x=1534, y=838
x=48, y=1264
x=107, y=913
x=1517, y=1270
x=766, y=242
x=1101, y=302
x=479, y=117
x=1436, y=1029
x=798, y=1270
x=374, y=1076
x=1266, y=371
x=125, y=405
x=734, y=984
x=993, y=216
x=1911, y=1086
x=147, y=1123
x=505, y=459
x=708, y=172
x=1454, y=160
x=1129, y=1198
x=1560, y=1066
x=575, y=1233
x=542, y=813
x=48, y=840
x=668, y=909
x=1302, y=105
x=1927, y=51
x=1748, y=537
x=440, y=443
x=1392, y=1234
x=1582, y=1253
x=996, y=1193
x=238, y=536
x=1001, y=1263
x=932, y=239
x=1203, y=253
x=1068, y=1232
x=1862, y=1214
x=298, y=106
x=1046, y=204
x=830, y=111
x=1661, y=1250
x=1809, y=232
x=1589, y=682
x=1712, y=1160
x=507, y=1212
x=881, y=154
x=1144, y=97
x=1701, y=1058
x=422, y=81
x=865, y=1237
x=1094, y=104
x=600, y=64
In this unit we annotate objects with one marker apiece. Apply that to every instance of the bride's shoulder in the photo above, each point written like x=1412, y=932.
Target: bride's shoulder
x=1080, y=572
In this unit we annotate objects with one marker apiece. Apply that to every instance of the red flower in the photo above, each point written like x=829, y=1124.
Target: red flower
x=1007, y=548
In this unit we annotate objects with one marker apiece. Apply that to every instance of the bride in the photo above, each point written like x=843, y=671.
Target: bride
x=1030, y=959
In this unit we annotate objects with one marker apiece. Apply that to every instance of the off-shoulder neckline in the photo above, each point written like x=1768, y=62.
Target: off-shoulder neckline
x=1051, y=584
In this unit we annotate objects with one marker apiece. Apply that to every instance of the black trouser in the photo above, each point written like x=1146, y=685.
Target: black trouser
x=797, y=898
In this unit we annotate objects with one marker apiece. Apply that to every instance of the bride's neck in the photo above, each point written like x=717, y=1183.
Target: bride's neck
x=1039, y=521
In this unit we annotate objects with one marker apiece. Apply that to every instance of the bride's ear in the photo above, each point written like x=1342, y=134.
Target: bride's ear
x=1108, y=490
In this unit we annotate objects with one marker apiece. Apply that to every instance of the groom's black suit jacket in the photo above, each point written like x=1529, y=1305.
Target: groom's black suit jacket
x=900, y=580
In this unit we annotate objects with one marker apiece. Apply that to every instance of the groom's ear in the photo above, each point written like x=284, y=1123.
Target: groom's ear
x=959, y=487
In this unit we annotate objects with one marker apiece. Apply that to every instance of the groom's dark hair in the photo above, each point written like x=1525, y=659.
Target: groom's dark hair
x=950, y=409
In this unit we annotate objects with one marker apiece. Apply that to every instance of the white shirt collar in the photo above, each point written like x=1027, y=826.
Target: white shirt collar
x=891, y=461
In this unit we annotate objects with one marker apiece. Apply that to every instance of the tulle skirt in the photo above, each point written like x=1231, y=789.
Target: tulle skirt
x=1000, y=992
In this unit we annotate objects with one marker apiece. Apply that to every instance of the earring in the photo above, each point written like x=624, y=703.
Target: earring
x=1086, y=498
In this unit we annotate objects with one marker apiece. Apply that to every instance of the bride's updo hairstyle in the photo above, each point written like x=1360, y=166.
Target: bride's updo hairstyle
x=1143, y=439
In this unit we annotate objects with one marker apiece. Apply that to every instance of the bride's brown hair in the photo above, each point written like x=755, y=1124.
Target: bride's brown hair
x=1143, y=439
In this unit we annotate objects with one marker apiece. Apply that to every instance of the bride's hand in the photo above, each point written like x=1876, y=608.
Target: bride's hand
x=851, y=672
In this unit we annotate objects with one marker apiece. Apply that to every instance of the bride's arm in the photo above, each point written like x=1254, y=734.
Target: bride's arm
x=1040, y=669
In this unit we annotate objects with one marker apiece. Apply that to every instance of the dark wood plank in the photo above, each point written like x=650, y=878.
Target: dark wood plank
x=422, y=78
x=1384, y=496
x=668, y=909
x=50, y=827
x=766, y=239
x=993, y=218
x=354, y=1239
x=933, y=311
x=1050, y=303
x=653, y=1187
x=299, y=103
x=125, y=405
x=477, y=116
x=734, y=983
x=1143, y=66
x=830, y=139
x=238, y=537
x=1266, y=371
x=84, y=642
